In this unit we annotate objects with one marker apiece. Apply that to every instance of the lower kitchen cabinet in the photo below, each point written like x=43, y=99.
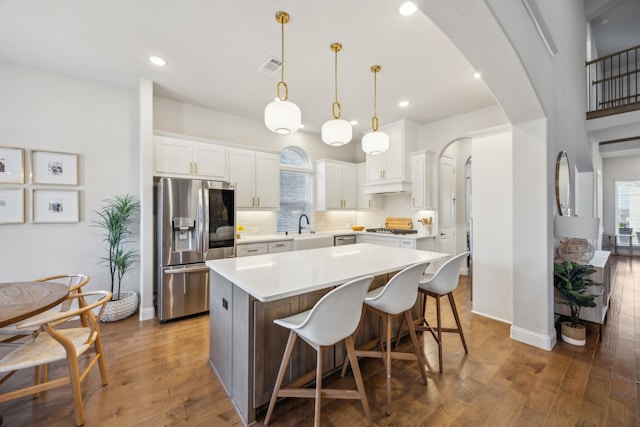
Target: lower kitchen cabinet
x=260, y=248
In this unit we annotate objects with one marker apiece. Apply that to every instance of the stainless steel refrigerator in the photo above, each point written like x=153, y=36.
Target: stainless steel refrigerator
x=195, y=222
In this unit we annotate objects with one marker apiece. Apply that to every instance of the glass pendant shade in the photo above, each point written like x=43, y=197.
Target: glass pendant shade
x=375, y=142
x=336, y=132
x=282, y=117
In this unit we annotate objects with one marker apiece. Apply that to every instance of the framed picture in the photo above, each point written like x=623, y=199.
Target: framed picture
x=55, y=206
x=11, y=206
x=54, y=168
x=11, y=165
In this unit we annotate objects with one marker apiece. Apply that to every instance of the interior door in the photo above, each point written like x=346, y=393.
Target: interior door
x=447, y=204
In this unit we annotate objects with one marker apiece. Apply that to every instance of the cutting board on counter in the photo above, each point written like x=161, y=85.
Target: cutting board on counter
x=398, y=223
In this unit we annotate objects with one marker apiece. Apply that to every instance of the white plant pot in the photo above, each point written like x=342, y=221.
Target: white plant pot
x=575, y=336
x=121, y=308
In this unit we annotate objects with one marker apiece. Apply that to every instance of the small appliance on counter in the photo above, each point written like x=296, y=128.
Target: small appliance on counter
x=395, y=226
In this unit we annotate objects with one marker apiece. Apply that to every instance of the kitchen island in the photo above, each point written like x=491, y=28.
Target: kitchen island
x=247, y=294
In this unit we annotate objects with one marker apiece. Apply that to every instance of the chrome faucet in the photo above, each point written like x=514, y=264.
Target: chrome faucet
x=300, y=222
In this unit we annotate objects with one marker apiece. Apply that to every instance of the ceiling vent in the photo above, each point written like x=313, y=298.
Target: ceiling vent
x=271, y=66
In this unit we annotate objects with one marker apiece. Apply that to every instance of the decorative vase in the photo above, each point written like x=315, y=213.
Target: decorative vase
x=574, y=336
x=119, y=309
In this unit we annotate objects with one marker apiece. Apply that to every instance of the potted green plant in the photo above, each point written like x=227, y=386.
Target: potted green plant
x=623, y=228
x=572, y=281
x=115, y=218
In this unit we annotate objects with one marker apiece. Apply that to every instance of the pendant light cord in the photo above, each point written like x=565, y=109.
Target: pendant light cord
x=336, y=47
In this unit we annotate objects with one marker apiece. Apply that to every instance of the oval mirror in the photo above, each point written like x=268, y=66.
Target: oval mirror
x=563, y=183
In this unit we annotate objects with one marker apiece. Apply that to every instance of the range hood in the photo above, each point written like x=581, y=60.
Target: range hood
x=398, y=186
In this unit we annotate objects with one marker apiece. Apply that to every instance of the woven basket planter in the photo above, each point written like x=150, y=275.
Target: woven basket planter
x=121, y=308
x=575, y=336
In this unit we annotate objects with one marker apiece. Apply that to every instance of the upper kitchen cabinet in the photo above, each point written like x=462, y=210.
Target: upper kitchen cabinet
x=256, y=175
x=184, y=158
x=389, y=172
x=365, y=201
x=421, y=179
x=336, y=185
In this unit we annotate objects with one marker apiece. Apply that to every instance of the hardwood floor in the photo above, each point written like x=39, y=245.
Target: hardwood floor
x=159, y=376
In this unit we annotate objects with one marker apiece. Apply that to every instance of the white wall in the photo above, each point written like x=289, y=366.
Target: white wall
x=491, y=152
x=45, y=111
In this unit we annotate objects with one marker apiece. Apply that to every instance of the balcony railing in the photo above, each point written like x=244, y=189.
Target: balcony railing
x=613, y=83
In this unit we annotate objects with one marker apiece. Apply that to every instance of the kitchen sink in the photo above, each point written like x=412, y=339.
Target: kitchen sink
x=311, y=241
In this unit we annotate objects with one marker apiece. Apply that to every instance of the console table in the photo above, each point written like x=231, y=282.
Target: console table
x=597, y=314
x=618, y=237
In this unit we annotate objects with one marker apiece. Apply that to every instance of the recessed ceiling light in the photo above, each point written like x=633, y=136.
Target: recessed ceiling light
x=407, y=8
x=156, y=60
x=353, y=122
x=403, y=103
x=476, y=75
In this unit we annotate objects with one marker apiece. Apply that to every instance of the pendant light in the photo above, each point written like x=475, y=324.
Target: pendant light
x=336, y=132
x=282, y=116
x=375, y=142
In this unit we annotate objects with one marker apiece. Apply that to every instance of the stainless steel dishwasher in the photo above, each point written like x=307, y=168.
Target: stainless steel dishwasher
x=346, y=239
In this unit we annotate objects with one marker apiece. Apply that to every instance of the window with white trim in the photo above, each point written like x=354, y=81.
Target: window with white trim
x=296, y=183
x=628, y=204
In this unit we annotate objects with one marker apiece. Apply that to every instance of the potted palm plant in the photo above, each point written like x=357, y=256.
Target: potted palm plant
x=572, y=281
x=115, y=218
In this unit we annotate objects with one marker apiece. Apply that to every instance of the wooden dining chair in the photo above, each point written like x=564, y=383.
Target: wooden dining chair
x=74, y=281
x=55, y=343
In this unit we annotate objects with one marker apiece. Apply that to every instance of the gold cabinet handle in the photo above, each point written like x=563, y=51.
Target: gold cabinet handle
x=195, y=167
x=258, y=201
x=190, y=167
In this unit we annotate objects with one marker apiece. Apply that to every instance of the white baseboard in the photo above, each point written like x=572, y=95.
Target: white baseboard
x=146, y=314
x=545, y=342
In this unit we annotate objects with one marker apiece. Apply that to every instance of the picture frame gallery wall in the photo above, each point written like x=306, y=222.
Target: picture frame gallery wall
x=53, y=188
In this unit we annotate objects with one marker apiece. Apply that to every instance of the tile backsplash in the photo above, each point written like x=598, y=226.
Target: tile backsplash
x=258, y=222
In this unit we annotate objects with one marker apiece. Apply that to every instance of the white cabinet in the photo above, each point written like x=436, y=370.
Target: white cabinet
x=421, y=179
x=260, y=248
x=336, y=185
x=365, y=201
x=422, y=243
x=389, y=171
x=249, y=249
x=179, y=157
x=257, y=178
x=277, y=247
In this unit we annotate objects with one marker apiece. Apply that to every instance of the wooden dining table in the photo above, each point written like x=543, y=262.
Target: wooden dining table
x=22, y=300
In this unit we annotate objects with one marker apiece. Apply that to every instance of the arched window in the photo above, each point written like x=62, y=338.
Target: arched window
x=295, y=189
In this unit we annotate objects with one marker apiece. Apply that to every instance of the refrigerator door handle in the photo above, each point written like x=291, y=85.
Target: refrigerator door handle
x=188, y=269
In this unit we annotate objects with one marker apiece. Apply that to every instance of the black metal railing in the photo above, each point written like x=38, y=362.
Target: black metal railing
x=613, y=83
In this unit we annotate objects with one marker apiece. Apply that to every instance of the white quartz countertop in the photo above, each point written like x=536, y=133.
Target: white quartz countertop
x=271, y=277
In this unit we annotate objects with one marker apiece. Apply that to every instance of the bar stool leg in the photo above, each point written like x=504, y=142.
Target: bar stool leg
x=455, y=315
x=439, y=331
x=416, y=346
x=316, y=419
x=283, y=369
x=388, y=363
x=351, y=352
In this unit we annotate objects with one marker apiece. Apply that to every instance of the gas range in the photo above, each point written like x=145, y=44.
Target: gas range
x=391, y=231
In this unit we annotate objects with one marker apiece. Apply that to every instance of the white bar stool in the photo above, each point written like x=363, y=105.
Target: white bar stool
x=333, y=319
x=437, y=285
x=394, y=299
